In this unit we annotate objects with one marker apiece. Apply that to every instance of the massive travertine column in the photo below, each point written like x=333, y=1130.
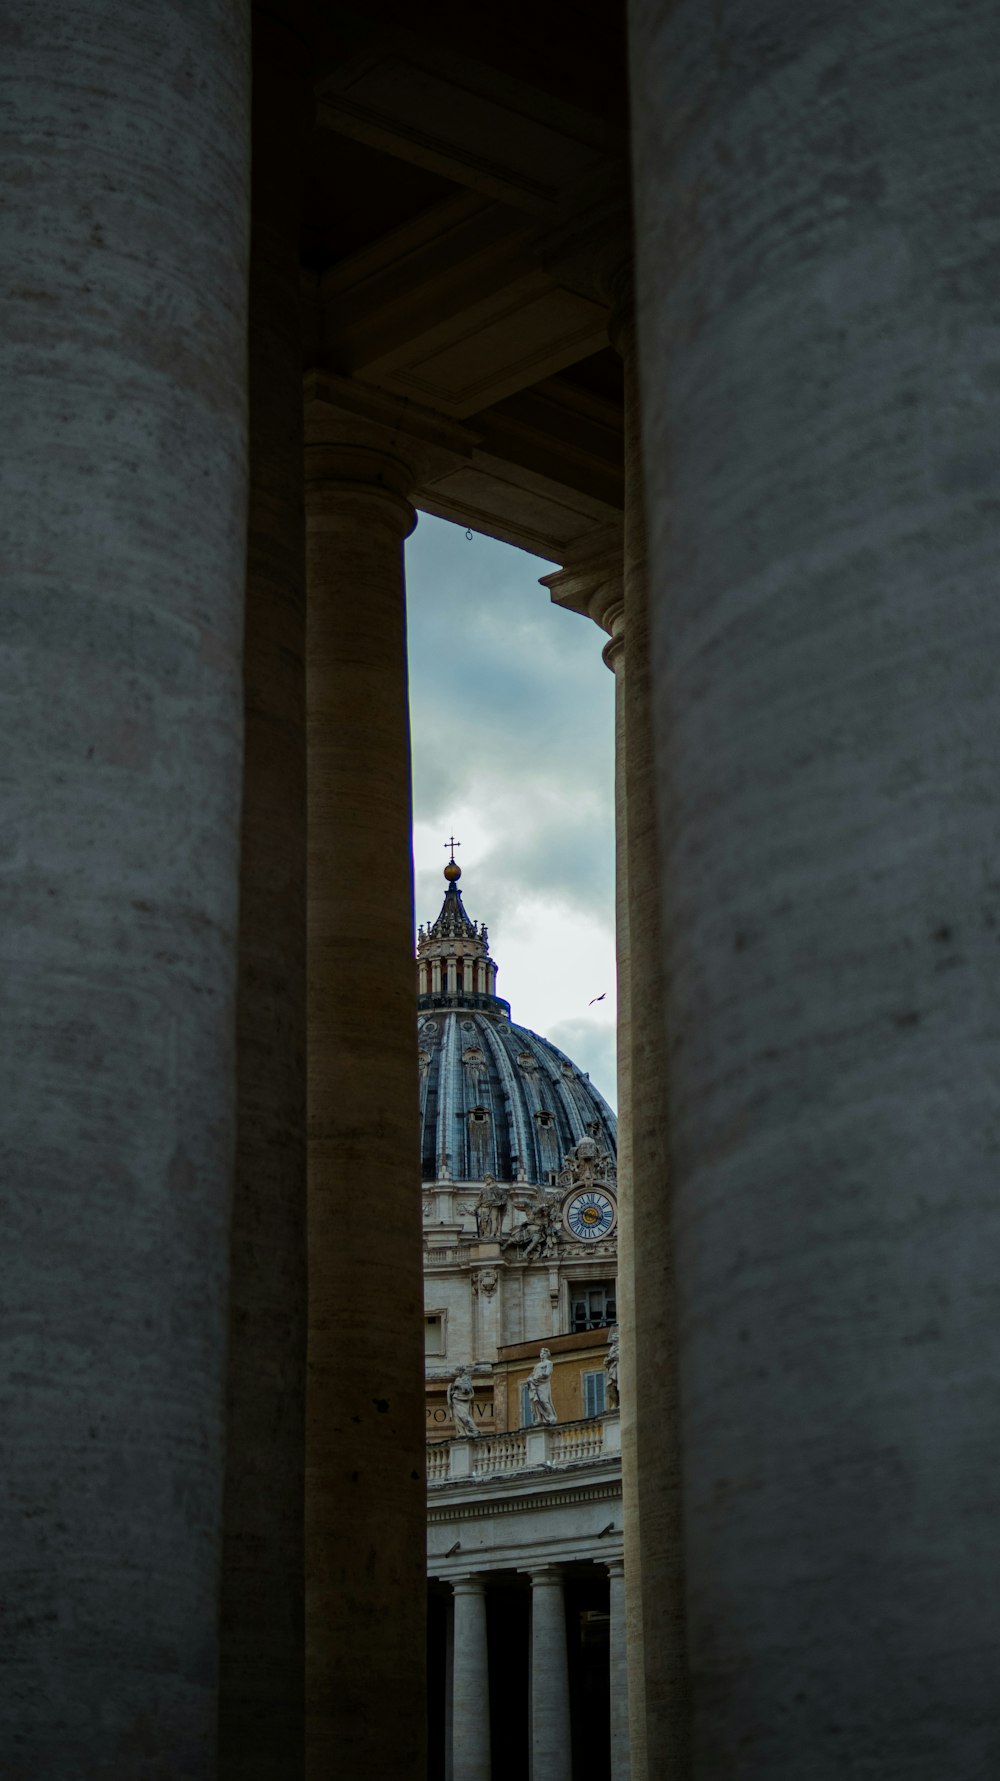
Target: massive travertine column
x=470, y=1715
x=551, y=1746
x=816, y=223
x=365, y=1585
x=654, y=1546
x=261, y=1691
x=125, y=154
x=618, y=1674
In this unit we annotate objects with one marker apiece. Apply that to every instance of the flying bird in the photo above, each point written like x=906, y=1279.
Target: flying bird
x=599, y=998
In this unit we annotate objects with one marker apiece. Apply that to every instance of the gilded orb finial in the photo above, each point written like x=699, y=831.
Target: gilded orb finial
x=452, y=871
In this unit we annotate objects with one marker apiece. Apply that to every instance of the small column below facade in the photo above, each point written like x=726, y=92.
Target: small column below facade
x=470, y=1695
x=620, y=1769
x=551, y=1748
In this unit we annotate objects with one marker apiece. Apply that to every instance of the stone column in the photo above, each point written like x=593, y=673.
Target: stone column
x=634, y=1677
x=551, y=1747
x=124, y=145
x=470, y=1683
x=261, y=1697
x=818, y=323
x=365, y=1618
x=654, y=1546
x=618, y=1674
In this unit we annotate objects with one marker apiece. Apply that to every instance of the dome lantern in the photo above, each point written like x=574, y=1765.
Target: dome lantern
x=454, y=968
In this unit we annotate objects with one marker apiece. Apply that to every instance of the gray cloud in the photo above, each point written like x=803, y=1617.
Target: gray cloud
x=592, y=1048
x=513, y=710
x=513, y=718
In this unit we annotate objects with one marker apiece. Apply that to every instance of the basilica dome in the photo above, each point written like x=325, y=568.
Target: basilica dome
x=495, y=1099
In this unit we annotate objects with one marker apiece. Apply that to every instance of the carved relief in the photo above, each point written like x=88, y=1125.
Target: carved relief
x=588, y=1165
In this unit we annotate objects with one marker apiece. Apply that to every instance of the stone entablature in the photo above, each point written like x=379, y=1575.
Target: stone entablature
x=541, y=1514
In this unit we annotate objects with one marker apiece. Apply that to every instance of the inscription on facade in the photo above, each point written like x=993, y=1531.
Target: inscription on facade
x=437, y=1414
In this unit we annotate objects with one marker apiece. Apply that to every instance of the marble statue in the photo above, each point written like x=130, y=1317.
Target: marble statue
x=540, y=1389
x=461, y=1396
x=611, y=1368
x=489, y=1209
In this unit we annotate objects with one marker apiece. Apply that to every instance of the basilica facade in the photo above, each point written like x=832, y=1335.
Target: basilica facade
x=526, y=1635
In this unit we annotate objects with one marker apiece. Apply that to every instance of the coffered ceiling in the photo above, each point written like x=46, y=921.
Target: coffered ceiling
x=464, y=201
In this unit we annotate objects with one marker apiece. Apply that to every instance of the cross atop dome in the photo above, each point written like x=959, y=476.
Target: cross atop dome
x=452, y=871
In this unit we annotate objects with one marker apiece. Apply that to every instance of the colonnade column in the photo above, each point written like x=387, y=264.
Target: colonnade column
x=818, y=325
x=365, y=1505
x=618, y=1674
x=126, y=187
x=551, y=1747
x=654, y=1553
x=261, y=1689
x=634, y=1677
x=470, y=1746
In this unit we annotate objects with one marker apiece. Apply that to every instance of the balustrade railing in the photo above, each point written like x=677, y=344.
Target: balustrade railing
x=437, y=1462
x=498, y=1453
x=574, y=1441
x=552, y=1446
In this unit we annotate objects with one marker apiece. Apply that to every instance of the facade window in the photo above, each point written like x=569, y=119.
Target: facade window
x=434, y=1332
x=527, y=1413
x=595, y=1394
x=592, y=1306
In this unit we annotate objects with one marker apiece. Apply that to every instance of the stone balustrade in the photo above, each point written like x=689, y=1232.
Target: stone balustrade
x=556, y=1446
x=437, y=1462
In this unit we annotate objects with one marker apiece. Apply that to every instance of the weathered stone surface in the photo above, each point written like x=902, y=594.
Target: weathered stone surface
x=365, y=1505
x=817, y=240
x=261, y=1688
x=125, y=156
x=654, y=1547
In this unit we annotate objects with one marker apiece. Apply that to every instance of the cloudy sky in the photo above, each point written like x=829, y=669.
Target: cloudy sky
x=513, y=753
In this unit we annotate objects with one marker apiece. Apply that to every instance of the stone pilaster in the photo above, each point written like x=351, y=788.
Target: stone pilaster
x=125, y=156
x=261, y=1693
x=551, y=1747
x=618, y=1674
x=365, y=1443
x=818, y=327
x=470, y=1743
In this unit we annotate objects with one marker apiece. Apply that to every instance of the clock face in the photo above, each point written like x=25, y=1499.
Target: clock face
x=590, y=1214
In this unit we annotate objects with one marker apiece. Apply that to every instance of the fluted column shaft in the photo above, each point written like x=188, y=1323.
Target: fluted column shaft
x=551, y=1746
x=365, y=1618
x=818, y=325
x=261, y=1691
x=124, y=145
x=618, y=1674
x=470, y=1684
